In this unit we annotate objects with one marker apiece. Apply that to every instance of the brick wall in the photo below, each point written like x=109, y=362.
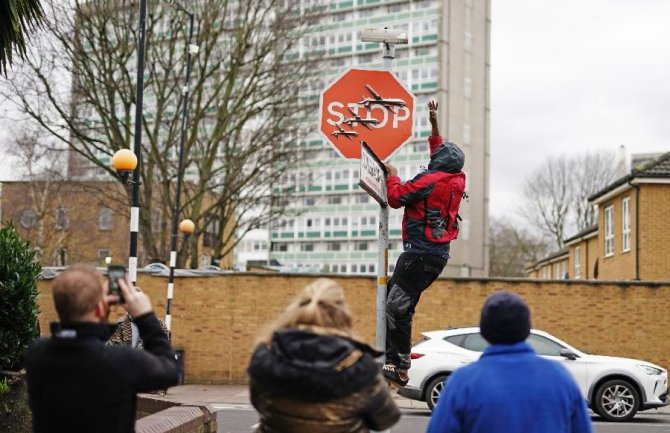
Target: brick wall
x=654, y=232
x=216, y=319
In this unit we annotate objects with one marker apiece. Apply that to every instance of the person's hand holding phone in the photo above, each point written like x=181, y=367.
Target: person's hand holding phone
x=137, y=303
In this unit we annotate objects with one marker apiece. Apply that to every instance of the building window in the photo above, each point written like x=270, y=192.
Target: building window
x=578, y=264
x=155, y=220
x=61, y=257
x=103, y=253
x=466, y=134
x=210, y=236
x=28, y=218
x=625, y=224
x=467, y=41
x=467, y=88
x=62, y=220
x=609, y=231
x=106, y=218
x=334, y=246
x=361, y=246
x=307, y=247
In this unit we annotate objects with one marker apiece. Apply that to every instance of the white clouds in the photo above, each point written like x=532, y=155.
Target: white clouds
x=571, y=76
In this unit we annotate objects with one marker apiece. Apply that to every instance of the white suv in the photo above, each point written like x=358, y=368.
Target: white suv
x=615, y=388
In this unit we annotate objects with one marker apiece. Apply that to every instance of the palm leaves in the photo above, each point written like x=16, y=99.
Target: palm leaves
x=17, y=19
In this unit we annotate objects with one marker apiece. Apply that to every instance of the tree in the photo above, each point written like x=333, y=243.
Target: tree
x=19, y=272
x=556, y=194
x=513, y=248
x=17, y=19
x=243, y=113
x=41, y=167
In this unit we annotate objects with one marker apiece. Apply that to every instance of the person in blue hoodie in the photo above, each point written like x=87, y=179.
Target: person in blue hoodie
x=510, y=388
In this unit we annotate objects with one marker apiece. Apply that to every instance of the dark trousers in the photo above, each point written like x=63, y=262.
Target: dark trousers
x=413, y=274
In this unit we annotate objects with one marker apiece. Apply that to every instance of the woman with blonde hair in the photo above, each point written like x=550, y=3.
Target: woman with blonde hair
x=309, y=373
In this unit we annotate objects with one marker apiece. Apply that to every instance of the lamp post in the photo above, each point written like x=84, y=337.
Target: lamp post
x=137, y=148
x=187, y=225
x=125, y=162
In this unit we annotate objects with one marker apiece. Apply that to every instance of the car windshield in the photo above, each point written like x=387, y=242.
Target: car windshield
x=477, y=343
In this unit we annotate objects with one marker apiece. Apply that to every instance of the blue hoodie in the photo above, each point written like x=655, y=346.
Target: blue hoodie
x=511, y=390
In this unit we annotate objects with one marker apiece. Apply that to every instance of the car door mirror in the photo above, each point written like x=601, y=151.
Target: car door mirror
x=567, y=353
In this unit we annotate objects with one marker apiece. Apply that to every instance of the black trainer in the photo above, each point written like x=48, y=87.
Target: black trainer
x=393, y=375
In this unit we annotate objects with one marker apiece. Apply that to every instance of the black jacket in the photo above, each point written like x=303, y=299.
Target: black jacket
x=77, y=384
x=310, y=380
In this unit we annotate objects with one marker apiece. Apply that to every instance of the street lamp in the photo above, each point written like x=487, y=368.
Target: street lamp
x=186, y=226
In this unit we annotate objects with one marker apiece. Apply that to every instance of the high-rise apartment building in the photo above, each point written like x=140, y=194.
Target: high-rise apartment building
x=335, y=223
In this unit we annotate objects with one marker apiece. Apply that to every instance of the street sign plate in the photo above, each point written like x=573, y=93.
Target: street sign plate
x=373, y=175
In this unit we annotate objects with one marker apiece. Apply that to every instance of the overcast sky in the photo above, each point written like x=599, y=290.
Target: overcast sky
x=572, y=75
x=568, y=76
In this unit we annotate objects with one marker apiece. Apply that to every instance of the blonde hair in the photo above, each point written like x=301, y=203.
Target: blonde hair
x=76, y=291
x=320, y=304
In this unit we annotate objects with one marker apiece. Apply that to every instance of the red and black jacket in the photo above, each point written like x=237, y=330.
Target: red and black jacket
x=431, y=200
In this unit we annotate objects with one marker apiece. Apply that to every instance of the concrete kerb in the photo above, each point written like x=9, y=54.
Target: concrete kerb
x=235, y=395
x=160, y=415
x=239, y=395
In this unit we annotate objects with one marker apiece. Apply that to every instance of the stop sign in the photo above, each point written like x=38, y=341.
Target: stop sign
x=370, y=106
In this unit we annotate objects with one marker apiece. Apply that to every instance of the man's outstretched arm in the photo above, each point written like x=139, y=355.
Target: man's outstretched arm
x=432, y=116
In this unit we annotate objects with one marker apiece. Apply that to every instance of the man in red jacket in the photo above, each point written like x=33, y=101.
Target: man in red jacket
x=430, y=222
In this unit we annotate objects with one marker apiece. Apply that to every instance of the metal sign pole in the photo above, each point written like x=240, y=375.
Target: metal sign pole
x=383, y=257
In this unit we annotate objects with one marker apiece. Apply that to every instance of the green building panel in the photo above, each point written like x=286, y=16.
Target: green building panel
x=342, y=187
x=287, y=235
x=395, y=232
x=368, y=232
x=340, y=234
x=313, y=234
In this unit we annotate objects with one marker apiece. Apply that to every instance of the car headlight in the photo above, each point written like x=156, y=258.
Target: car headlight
x=649, y=369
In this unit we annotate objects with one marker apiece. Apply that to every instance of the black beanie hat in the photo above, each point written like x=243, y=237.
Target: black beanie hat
x=505, y=319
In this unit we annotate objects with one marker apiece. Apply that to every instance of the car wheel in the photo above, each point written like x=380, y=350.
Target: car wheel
x=617, y=400
x=434, y=390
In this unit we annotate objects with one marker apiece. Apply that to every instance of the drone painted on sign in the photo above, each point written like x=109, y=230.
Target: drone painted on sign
x=366, y=102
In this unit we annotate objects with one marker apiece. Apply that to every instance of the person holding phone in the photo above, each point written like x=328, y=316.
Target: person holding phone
x=78, y=384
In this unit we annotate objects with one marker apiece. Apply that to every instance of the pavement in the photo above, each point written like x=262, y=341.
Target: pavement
x=239, y=395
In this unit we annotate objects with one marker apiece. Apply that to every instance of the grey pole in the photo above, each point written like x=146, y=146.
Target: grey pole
x=191, y=49
x=139, y=94
x=383, y=257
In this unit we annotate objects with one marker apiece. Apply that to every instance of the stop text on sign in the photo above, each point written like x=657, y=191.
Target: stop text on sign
x=339, y=114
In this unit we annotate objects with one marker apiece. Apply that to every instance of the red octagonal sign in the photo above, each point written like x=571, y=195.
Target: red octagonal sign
x=370, y=106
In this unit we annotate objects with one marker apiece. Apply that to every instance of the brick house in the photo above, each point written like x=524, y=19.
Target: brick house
x=68, y=222
x=631, y=240
x=81, y=222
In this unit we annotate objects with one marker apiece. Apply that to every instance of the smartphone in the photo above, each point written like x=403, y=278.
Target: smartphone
x=114, y=273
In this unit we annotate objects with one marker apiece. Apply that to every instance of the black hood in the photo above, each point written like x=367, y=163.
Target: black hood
x=448, y=158
x=312, y=366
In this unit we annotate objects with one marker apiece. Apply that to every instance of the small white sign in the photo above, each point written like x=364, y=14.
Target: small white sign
x=373, y=175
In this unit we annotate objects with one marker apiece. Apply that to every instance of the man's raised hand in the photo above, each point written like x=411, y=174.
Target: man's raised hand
x=432, y=111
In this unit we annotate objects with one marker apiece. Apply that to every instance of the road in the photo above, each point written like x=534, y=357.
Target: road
x=242, y=418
